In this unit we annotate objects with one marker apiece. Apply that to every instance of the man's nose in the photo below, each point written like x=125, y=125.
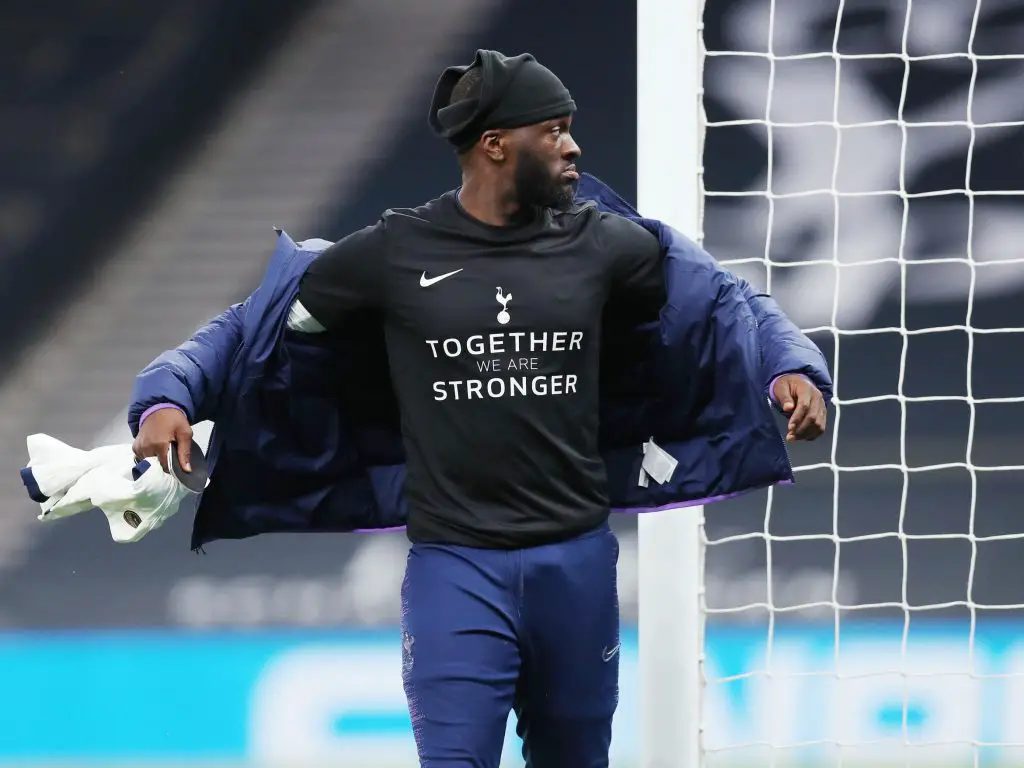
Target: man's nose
x=571, y=150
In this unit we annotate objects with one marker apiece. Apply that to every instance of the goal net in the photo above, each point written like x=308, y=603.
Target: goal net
x=862, y=162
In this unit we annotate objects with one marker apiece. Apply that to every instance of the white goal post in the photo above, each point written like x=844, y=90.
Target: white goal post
x=877, y=123
x=670, y=547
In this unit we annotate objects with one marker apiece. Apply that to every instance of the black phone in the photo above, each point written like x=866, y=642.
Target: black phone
x=195, y=480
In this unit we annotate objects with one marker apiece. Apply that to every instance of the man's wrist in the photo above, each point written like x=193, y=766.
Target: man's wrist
x=771, y=385
x=154, y=408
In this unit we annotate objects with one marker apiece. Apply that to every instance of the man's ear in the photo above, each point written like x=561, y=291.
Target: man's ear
x=494, y=143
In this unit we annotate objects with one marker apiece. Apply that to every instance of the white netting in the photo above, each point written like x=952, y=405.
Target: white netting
x=863, y=162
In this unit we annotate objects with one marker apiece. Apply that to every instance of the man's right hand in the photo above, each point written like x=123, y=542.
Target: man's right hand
x=158, y=431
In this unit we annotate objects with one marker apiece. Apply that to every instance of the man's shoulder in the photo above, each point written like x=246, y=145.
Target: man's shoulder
x=619, y=232
x=589, y=212
x=429, y=211
x=584, y=216
x=381, y=233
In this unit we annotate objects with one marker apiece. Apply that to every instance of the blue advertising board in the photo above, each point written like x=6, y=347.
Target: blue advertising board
x=930, y=698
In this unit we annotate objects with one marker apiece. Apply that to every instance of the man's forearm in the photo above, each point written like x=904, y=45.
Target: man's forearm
x=191, y=376
x=785, y=348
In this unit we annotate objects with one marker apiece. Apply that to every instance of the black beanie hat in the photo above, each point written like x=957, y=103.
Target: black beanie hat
x=515, y=91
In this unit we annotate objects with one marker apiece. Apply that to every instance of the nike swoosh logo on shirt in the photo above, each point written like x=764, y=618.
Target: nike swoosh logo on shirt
x=426, y=282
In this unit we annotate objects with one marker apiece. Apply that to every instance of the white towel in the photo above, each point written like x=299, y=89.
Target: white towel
x=136, y=498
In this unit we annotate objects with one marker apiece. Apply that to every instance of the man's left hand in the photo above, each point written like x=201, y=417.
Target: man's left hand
x=804, y=405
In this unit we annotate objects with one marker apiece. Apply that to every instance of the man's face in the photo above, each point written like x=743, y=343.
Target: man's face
x=544, y=171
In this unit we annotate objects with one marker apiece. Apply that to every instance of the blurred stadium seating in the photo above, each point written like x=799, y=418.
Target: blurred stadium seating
x=100, y=99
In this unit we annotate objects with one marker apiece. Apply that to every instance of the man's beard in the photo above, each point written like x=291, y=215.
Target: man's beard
x=536, y=187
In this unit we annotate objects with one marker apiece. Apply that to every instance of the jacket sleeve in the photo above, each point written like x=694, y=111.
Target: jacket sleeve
x=784, y=347
x=193, y=375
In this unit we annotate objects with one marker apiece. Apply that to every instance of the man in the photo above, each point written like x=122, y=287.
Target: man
x=500, y=306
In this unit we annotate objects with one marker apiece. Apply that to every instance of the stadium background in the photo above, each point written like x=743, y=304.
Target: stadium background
x=148, y=149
